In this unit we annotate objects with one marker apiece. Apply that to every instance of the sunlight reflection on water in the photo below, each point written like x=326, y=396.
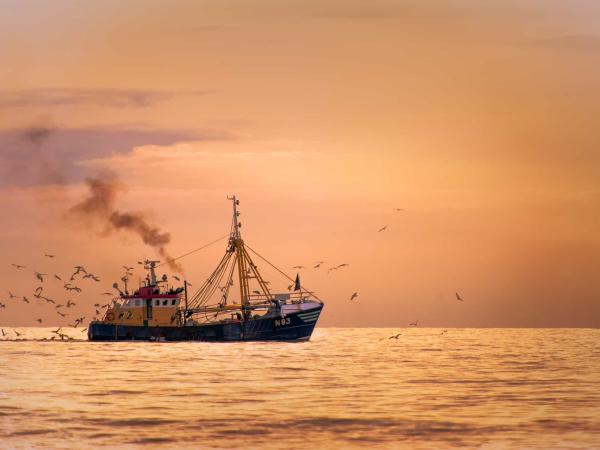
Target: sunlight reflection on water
x=346, y=388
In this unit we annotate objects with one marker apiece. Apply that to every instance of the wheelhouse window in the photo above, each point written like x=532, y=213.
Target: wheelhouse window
x=165, y=302
x=173, y=302
x=156, y=302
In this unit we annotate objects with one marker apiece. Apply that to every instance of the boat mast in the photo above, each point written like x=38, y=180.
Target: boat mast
x=244, y=262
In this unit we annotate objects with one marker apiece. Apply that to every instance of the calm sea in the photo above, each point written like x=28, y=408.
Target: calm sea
x=346, y=388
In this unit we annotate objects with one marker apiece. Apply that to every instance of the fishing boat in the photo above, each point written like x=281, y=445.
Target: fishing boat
x=159, y=311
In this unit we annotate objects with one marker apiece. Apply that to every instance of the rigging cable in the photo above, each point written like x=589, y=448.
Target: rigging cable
x=194, y=251
x=278, y=270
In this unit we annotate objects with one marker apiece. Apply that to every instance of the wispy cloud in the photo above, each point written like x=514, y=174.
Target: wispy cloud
x=112, y=98
x=46, y=155
x=570, y=42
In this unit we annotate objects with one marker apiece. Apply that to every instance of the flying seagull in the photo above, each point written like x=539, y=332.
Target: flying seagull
x=18, y=266
x=25, y=299
x=399, y=209
x=63, y=315
x=458, y=297
x=11, y=295
x=395, y=336
x=107, y=293
x=49, y=256
x=39, y=320
x=256, y=292
x=176, y=277
x=354, y=296
x=57, y=277
x=298, y=267
x=40, y=276
x=382, y=229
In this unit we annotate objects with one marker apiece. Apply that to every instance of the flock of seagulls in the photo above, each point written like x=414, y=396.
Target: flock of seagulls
x=61, y=309
x=355, y=294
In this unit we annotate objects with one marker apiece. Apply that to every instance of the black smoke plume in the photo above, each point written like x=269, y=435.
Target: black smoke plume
x=98, y=207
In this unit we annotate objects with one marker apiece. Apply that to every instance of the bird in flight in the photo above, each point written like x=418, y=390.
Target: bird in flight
x=414, y=324
x=17, y=333
x=176, y=277
x=382, y=229
x=256, y=292
x=25, y=299
x=354, y=296
x=458, y=297
x=395, y=336
x=342, y=265
x=49, y=300
x=3, y=333
x=40, y=276
x=399, y=209
x=107, y=293
x=63, y=315
x=2, y=305
x=38, y=291
x=57, y=277
x=39, y=320
x=11, y=295
x=443, y=332
x=18, y=266
x=70, y=303
x=299, y=267
x=49, y=256
x=316, y=266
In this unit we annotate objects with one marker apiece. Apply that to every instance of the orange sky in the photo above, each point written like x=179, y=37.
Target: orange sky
x=477, y=118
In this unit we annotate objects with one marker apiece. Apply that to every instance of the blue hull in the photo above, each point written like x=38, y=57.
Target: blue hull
x=297, y=326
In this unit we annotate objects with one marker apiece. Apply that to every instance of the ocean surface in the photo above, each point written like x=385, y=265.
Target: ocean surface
x=346, y=388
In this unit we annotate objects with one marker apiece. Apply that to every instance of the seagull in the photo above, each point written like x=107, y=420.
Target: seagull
x=354, y=296
x=97, y=305
x=49, y=256
x=107, y=293
x=48, y=300
x=128, y=268
x=59, y=306
x=458, y=297
x=17, y=333
x=331, y=268
x=317, y=266
x=25, y=299
x=38, y=291
x=399, y=209
x=57, y=331
x=342, y=265
x=256, y=292
x=18, y=266
x=40, y=276
x=396, y=336
x=176, y=277
x=443, y=332
x=85, y=329
x=11, y=295
x=63, y=315
x=57, y=277
x=290, y=287
x=39, y=320
x=2, y=305
x=189, y=284
x=3, y=333
x=70, y=303
x=382, y=229
x=298, y=267
x=414, y=324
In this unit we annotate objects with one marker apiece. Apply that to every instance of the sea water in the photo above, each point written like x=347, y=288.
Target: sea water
x=346, y=388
